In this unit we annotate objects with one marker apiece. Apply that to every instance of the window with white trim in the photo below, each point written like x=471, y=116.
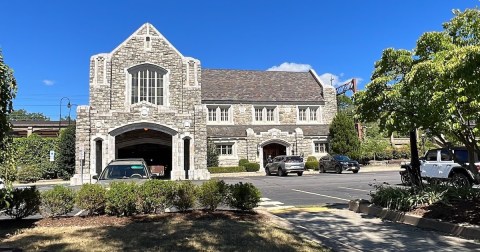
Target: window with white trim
x=265, y=114
x=308, y=114
x=224, y=149
x=147, y=84
x=320, y=147
x=219, y=114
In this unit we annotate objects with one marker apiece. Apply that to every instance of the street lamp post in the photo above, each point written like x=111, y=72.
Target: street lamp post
x=60, y=118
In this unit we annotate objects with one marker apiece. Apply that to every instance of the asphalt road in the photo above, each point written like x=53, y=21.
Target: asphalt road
x=317, y=189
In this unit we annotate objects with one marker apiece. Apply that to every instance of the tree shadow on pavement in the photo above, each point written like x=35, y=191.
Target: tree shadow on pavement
x=344, y=230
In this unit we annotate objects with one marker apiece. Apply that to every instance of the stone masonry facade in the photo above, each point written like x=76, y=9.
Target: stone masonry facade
x=120, y=114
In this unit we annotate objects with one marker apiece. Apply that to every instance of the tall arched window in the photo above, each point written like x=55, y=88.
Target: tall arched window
x=147, y=84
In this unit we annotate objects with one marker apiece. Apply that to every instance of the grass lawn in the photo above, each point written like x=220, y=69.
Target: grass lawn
x=195, y=231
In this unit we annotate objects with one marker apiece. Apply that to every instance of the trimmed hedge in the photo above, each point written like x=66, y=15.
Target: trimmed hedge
x=23, y=202
x=229, y=169
x=155, y=196
x=122, y=198
x=252, y=167
x=29, y=174
x=212, y=193
x=92, y=197
x=243, y=162
x=58, y=201
x=311, y=165
x=243, y=196
x=184, y=195
x=311, y=158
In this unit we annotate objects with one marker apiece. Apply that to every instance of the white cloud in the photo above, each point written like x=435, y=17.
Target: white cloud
x=48, y=82
x=335, y=80
x=291, y=67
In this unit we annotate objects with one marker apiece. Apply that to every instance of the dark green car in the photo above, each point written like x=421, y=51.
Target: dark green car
x=128, y=170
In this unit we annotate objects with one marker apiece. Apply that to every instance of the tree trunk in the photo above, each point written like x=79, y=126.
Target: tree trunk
x=471, y=161
x=414, y=170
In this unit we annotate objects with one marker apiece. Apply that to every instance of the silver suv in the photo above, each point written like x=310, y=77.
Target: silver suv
x=440, y=165
x=125, y=169
x=282, y=165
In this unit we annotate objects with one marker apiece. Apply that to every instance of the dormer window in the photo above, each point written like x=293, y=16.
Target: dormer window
x=147, y=84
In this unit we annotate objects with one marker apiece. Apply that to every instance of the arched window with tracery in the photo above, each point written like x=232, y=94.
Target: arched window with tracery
x=147, y=84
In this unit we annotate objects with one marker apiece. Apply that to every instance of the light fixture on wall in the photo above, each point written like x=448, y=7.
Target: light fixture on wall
x=145, y=129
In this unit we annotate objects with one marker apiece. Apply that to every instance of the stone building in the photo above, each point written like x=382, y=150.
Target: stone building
x=148, y=100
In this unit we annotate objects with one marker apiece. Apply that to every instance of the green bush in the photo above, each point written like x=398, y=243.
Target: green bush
x=35, y=151
x=184, y=196
x=65, y=159
x=8, y=172
x=243, y=196
x=394, y=198
x=212, y=155
x=229, y=169
x=311, y=158
x=212, y=193
x=243, y=162
x=58, y=201
x=155, y=196
x=23, y=202
x=121, y=199
x=311, y=165
x=252, y=167
x=29, y=174
x=92, y=197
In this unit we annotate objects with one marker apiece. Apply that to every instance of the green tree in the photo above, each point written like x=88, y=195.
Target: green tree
x=212, y=155
x=23, y=115
x=8, y=89
x=345, y=104
x=344, y=138
x=65, y=160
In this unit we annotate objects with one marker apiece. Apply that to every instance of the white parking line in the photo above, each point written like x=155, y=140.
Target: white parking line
x=323, y=195
x=354, y=189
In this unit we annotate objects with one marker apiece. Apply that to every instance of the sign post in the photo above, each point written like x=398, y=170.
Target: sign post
x=52, y=155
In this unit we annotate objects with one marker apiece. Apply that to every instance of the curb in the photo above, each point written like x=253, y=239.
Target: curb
x=364, y=206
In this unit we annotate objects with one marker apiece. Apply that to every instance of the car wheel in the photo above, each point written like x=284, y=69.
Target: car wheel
x=460, y=180
x=300, y=173
x=338, y=169
x=355, y=171
x=267, y=171
x=281, y=173
x=405, y=178
x=322, y=169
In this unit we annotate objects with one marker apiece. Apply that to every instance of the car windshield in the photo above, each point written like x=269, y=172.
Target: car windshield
x=341, y=158
x=124, y=172
x=293, y=159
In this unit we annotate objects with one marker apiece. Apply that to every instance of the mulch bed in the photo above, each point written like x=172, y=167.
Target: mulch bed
x=458, y=212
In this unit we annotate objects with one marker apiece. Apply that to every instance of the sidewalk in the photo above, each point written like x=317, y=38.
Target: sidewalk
x=343, y=230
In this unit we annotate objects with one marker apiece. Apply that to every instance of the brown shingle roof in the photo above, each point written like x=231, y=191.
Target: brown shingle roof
x=260, y=86
x=240, y=130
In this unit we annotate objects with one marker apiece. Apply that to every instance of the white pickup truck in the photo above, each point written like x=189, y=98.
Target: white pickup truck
x=439, y=165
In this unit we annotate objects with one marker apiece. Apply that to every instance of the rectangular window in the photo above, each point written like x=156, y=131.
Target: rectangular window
x=224, y=114
x=224, y=149
x=143, y=85
x=134, y=88
x=270, y=114
x=151, y=87
x=313, y=114
x=258, y=114
x=212, y=114
x=302, y=114
x=321, y=147
x=159, y=89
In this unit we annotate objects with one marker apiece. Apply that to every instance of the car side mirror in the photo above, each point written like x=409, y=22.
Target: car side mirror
x=95, y=177
x=154, y=176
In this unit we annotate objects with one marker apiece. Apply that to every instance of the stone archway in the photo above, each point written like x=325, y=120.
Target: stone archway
x=273, y=148
x=152, y=142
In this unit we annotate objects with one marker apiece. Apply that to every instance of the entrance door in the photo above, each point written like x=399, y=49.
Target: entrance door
x=272, y=150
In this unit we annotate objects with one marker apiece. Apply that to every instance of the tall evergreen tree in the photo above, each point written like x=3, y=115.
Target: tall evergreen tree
x=65, y=160
x=344, y=138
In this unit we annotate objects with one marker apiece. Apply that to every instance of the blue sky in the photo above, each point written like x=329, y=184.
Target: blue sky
x=48, y=43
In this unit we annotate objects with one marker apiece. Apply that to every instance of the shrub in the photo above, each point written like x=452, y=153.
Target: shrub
x=311, y=165
x=92, y=197
x=311, y=158
x=121, y=199
x=29, y=174
x=23, y=202
x=394, y=198
x=212, y=155
x=243, y=196
x=155, y=196
x=229, y=169
x=212, y=193
x=184, y=197
x=58, y=201
x=252, y=167
x=34, y=151
x=65, y=160
x=243, y=162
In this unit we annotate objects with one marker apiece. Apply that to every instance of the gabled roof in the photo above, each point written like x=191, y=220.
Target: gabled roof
x=260, y=87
